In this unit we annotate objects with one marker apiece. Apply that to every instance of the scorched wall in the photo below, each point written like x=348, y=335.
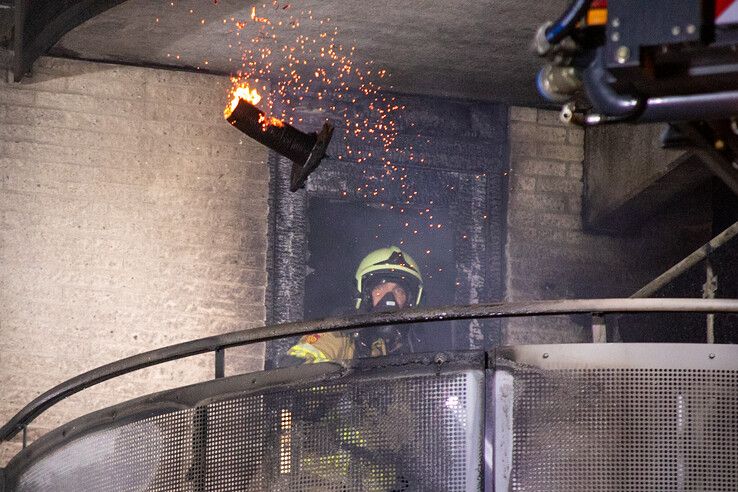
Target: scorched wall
x=550, y=254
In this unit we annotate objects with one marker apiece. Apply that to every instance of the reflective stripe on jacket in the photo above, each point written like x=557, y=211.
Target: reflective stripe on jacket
x=324, y=347
x=307, y=352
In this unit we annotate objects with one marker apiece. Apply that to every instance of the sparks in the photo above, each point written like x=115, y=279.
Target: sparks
x=319, y=74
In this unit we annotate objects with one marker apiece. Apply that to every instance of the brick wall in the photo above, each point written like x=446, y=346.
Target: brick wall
x=131, y=217
x=551, y=256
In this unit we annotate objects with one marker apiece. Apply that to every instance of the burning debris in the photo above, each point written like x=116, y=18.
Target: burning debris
x=300, y=65
x=308, y=67
x=305, y=150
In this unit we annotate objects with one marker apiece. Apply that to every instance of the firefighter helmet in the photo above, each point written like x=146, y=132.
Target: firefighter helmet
x=388, y=265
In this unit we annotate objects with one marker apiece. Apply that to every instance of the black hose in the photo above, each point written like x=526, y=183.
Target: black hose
x=568, y=20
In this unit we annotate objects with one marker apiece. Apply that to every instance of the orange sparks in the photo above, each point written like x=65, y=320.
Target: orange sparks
x=317, y=72
x=270, y=121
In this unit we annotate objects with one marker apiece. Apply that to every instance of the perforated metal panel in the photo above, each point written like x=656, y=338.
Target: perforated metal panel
x=151, y=454
x=387, y=429
x=590, y=427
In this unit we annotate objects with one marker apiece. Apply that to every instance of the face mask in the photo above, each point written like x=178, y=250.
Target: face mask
x=389, y=335
x=386, y=303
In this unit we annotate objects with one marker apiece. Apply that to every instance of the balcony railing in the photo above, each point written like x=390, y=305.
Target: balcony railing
x=548, y=417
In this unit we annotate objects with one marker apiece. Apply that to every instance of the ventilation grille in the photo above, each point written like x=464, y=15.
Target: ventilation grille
x=625, y=429
x=407, y=433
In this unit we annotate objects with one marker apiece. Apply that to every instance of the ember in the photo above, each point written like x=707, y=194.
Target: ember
x=321, y=73
x=271, y=120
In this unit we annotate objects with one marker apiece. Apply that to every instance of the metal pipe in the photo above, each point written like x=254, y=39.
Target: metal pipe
x=694, y=107
x=416, y=315
x=305, y=150
x=603, y=97
x=279, y=136
x=702, y=253
x=616, y=108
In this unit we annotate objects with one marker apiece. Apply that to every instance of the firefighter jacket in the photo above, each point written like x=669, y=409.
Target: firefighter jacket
x=325, y=347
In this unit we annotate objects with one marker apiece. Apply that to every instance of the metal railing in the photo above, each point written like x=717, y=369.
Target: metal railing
x=216, y=344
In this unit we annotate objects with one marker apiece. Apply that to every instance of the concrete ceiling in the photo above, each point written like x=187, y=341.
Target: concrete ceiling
x=472, y=50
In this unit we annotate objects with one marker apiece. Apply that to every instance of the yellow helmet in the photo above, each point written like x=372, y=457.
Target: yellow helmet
x=388, y=264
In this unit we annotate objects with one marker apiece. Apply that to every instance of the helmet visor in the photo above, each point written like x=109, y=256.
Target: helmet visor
x=407, y=282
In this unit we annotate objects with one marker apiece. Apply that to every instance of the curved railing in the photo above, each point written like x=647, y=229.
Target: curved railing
x=591, y=416
x=419, y=315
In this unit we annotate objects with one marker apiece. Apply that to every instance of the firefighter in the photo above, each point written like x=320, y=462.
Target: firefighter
x=386, y=280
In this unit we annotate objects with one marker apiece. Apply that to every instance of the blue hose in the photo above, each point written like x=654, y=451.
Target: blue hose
x=566, y=23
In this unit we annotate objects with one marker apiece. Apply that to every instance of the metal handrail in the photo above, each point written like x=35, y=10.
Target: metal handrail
x=702, y=253
x=417, y=315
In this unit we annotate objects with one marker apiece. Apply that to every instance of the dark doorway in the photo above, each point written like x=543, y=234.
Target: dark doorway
x=459, y=170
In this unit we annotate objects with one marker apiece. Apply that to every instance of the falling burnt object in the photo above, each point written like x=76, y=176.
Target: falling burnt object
x=305, y=150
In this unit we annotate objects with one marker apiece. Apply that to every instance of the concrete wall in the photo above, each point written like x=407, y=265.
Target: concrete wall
x=550, y=255
x=131, y=217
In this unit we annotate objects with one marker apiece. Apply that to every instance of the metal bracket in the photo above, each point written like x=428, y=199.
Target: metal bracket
x=219, y=363
x=709, y=289
x=300, y=173
x=599, y=328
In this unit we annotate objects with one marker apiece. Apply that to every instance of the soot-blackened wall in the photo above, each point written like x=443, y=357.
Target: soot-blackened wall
x=459, y=169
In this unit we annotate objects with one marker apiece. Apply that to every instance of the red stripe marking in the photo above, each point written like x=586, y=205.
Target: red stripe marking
x=721, y=6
